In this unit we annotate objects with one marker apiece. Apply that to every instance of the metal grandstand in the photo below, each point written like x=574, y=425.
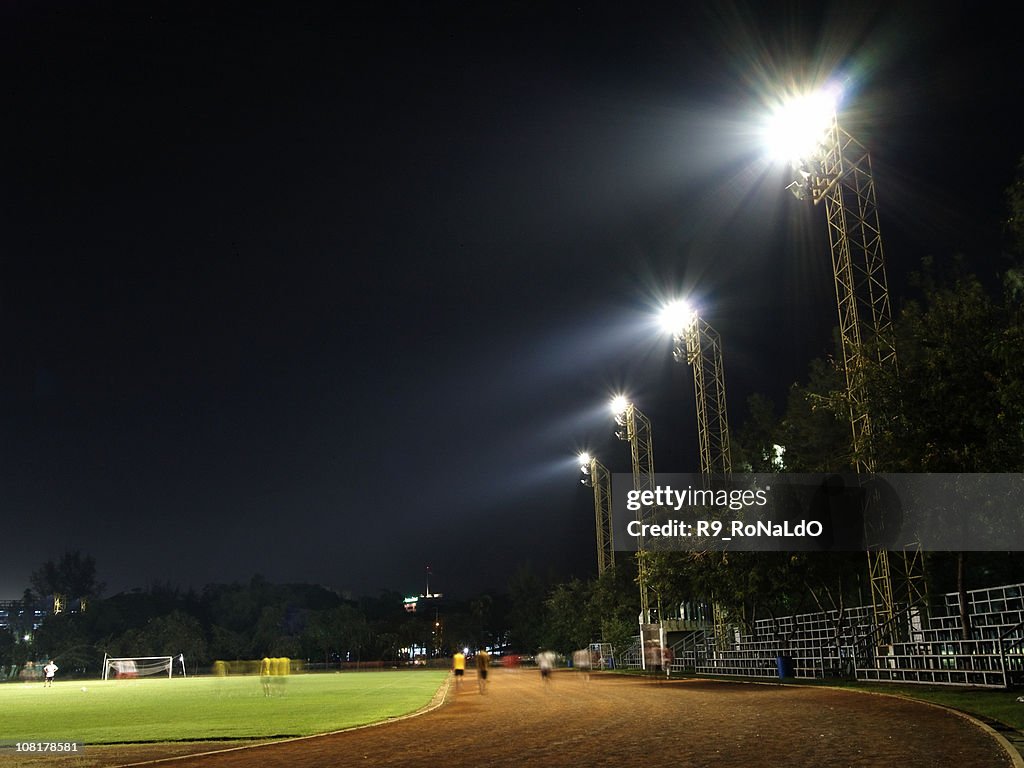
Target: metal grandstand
x=822, y=645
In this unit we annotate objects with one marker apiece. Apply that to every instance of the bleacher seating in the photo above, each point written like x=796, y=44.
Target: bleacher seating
x=822, y=645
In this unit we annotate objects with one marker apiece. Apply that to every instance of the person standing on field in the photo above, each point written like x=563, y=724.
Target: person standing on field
x=49, y=671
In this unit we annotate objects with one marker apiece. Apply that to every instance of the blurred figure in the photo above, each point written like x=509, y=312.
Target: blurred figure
x=511, y=662
x=582, y=662
x=284, y=669
x=667, y=657
x=546, y=662
x=265, y=675
x=652, y=656
x=483, y=662
x=29, y=671
x=459, y=668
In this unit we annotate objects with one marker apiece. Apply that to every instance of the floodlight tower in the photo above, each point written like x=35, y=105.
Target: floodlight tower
x=697, y=343
x=831, y=167
x=597, y=476
x=635, y=428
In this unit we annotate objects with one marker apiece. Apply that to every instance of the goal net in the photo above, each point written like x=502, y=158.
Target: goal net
x=141, y=666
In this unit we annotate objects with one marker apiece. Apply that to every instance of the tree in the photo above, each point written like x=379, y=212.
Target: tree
x=815, y=429
x=273, y=635
x=754, y=445
x=73, y=575
x=65, y=638
x=354, y=632
x=956, y=404
x=615, y=601
x=1015, y=218
x=953, y=405
x=177, y=632
x=527, y=593
x=571, y=623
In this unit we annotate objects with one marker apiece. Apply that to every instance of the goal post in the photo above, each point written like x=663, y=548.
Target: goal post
x=141, y=666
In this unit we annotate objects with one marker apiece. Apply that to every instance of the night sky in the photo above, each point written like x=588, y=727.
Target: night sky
x=331, y=292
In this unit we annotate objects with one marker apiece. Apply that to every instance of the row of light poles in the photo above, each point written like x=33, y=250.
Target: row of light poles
x=829, y=167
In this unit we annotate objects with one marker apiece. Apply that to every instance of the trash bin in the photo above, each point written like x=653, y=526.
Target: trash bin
x=785, y=665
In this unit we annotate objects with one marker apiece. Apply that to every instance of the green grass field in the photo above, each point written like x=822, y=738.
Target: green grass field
x=202, y=708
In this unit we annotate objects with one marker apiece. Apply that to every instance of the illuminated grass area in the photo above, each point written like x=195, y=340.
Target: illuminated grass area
x=202, y=708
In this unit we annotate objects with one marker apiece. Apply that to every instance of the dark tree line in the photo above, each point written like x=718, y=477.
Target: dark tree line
x=252, y=620
x=302, y=621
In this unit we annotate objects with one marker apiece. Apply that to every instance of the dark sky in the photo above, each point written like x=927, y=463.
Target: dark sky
x=333, y=291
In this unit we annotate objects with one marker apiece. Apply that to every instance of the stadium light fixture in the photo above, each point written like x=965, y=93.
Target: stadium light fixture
x=619, y=404
x=586, y=461
x=797, y=127
x=677, y=317
x=802, y=130
x=621, y=410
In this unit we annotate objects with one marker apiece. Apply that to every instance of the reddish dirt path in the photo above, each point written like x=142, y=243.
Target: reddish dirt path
x=614, y=720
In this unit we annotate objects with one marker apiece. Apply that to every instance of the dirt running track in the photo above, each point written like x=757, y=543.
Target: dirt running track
x=614, y=720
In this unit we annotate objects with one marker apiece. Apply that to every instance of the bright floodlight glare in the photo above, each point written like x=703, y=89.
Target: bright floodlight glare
x=677, y=316
x=619, y=405
x=585, y=460
x=797, y=127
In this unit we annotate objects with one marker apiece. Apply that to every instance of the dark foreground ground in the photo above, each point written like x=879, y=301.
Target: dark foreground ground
x=612, y=720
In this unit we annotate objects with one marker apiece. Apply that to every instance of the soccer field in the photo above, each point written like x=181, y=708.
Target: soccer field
x=201, y=708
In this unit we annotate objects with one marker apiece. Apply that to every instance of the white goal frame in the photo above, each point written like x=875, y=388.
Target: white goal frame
x=116, y=662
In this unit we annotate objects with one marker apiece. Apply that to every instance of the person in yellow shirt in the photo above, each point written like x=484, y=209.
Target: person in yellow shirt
x=265, y=675
x=459, y=668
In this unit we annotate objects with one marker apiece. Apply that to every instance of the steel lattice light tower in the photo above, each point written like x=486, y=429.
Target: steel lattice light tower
x=831, y=167
x=698, y=344
x=597, y=476
x=635, y=428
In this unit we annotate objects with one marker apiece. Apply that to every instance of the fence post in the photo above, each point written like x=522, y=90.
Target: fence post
x=1002, y=662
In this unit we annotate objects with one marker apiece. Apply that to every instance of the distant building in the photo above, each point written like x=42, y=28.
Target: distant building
x=16, y=616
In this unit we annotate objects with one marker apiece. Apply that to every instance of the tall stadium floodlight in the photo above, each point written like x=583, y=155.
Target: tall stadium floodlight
x=597, y=476
x=635, y=428
x=830, y=166
x=697, y=343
